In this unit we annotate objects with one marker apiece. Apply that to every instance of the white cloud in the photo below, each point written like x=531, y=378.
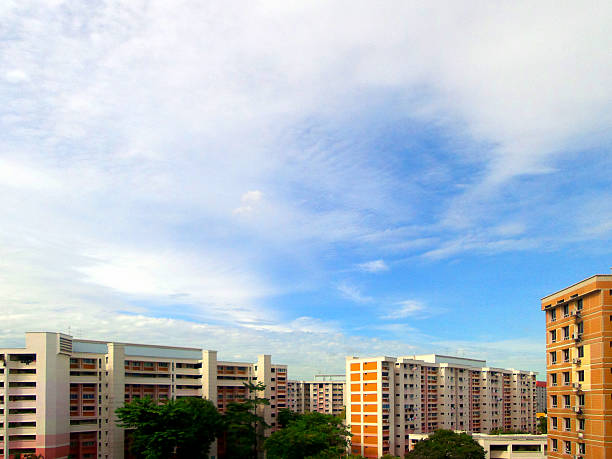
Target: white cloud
x=16, y=76
x=138, y=123
x=373, y=266
x=249, y=200
x=353, y=293
x=406, y=308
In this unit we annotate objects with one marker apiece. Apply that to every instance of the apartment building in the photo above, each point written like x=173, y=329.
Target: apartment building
x=389, y=399
x=579, y=369
x=321, y=396
x=541, y=396
x=58, y=395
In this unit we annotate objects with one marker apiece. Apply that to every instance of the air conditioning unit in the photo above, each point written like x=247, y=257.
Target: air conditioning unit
x=577, y=336
x=576, y=385
x=580, y=435
x=576, y=361
x=577, y=410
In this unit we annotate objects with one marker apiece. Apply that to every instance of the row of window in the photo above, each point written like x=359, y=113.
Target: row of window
x=566, y=311
x=566, y=377
x=566, y=333
x=565, y=355
x=567, y=447
x=567, y=400
x=567, y=424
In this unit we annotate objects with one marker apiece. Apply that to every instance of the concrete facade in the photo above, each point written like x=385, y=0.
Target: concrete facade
x=389, y=399
x=579, y=369
x=541, y=396
x=58, y=395
x=321, y=396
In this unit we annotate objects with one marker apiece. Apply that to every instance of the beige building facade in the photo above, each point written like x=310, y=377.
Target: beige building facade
x=390, y=398
x=319, y=396
x=58, y=395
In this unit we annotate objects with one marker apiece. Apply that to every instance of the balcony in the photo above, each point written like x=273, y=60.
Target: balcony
x=23, y=377
x=188, y=392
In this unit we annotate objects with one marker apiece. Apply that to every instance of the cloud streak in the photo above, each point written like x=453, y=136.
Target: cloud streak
x=207, y=159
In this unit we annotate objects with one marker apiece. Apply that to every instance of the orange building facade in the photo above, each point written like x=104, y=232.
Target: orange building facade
x=392, y=400
x=579, y=369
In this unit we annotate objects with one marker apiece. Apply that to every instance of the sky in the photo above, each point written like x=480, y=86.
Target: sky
x=311, y=180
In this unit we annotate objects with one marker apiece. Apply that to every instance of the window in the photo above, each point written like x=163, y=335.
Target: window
x=581, y=327
x=553, y=379
x=567, y=447
x=565, y=310
x=566, y=332
x=553, y=423
x=581, y=448
x=579, y=305
x=553, y=357
x=553, y=315
x=566, y=401
x=580, y=352
x=580, y=424
x=581, y=375
x=567, y=424
x=553, y=445
x=566, y=378
x=553, y=401
x=566, y=355
x=580, y=399
x=553, y=336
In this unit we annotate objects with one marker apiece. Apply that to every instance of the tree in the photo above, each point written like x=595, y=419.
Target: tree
x=285, y=416
x=310, y=435
x=542, y=425
x=446, y=444
x=244, y=425
x=182, y=428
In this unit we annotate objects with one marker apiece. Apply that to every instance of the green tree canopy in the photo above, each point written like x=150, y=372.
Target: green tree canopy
x=446, y=444
x=542, y=425
x=182, y=428
x=244, y=425
x=285, y=416
x=310, y=435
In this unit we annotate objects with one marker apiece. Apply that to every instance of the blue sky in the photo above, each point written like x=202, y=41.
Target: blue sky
x=303, y=179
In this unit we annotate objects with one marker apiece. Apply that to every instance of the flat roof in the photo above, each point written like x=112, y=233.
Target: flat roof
x=569, y=287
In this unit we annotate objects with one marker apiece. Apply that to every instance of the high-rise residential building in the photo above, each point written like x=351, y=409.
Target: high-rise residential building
x=58, y=395
x=389, y=398
x=579, y=367
x=541, y=396
x=321, y=396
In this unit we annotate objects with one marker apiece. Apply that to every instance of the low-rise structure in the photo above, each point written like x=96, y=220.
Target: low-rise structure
x=519, y=446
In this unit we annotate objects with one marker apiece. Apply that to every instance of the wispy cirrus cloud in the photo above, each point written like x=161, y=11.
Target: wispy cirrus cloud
x=409, y=309
x=353, y=293
x=154, y=152
x=373, y=266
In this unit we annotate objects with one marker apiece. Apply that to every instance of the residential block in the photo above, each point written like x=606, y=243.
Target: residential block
x=391, y=398
x=58, y=395
x=579, y=369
